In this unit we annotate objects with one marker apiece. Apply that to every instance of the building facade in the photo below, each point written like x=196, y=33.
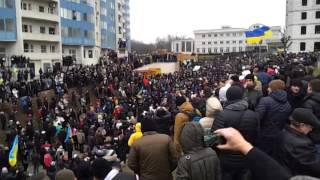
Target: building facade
x=46, y=31
x=123, y=23
x=228, y=40
x=303, y=25
x=184, y=46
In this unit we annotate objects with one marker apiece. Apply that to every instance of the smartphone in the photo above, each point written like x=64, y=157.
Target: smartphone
x=213, y=140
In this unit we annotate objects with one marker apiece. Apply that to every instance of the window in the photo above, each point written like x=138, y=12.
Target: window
x=209, y=35
x=221, y=50
x=90, y=55
x=234, y=34
x=302, y=46
x=203, y=43
x=84, y=53
x=203, y=50
x=74, y=15
x=228, y=34
x=203, y=35
x=183, y=46
x=215, y=50
x=31, y=47
x=10, y=25
x=227, y=49
x=1, y=24
x=198, y=50
x=318, y=15
x=52, y=30
x=24, y=28
x=42, y=30
x=29, y=7
x=215, y=35
x=85, y=17
x=24, y=6
x=52, y=49
x=177, y=47
x=215, y=42
x=7, y=4
x=303, y=30
x=304, y=2
x=240, y=42
x=85, y=33
x=221, y=35
x=304, y=15
x=234, y=49
x=234, y=42
x=240, y=49
x=228, y=42
x=43, y=48
x=316, y=46
x=317, y=29
x=41, y=9
x=209, y=42
x=26, y=47
x=209, y=50
x=221, y=42
x=318, y=2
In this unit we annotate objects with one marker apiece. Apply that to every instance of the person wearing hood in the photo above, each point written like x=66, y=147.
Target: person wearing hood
x=252, y=95
x=198, y=162
x=164, y=120
x=236, y=115
x=213, y=107
x=153, y=157
x=274, y=111
x=181, y=118
x=135, y=136
x=296, y=94
x=312, y=102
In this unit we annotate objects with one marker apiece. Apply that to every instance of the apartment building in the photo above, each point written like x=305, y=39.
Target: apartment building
x=303, y=25
x=45, y=31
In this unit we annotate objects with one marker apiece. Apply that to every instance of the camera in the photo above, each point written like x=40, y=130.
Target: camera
x=213, y=140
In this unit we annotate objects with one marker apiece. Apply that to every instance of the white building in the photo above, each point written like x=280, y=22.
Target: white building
x=303, y=25
x=185, y=46
x=38, y=32
x=228, y=40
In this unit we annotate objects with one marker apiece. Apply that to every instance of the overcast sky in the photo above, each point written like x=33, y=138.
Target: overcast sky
x=157, y=18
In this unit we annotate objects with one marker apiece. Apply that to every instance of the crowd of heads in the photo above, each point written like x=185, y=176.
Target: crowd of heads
x=94, y=111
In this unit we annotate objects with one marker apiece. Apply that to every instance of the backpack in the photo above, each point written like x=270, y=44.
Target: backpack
x=193, y=116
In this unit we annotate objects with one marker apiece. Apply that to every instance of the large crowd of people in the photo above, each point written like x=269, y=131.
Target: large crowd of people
x=232, y=118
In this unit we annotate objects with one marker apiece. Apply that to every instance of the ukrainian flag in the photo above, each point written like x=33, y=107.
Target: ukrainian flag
x=14, y=152
x=257, y=35
x=68, y=135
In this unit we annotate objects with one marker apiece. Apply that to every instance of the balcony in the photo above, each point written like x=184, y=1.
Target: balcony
x=40, y=16
x=41, y=37
x=41, y=56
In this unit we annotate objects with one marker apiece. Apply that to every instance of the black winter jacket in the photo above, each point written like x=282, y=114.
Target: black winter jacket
x=313, y=102
x=238, y=116
x=273, y=111
x=298, y=153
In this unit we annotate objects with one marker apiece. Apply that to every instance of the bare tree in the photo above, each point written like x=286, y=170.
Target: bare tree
x=286, y=41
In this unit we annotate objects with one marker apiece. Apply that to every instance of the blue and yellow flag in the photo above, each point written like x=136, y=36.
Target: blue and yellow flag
x=68, y=135
x=257, y=35
x=14, y=152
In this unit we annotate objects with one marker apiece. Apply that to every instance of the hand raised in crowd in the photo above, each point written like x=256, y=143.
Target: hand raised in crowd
x=235, y=141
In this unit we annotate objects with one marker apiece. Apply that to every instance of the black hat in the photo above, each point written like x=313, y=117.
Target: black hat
x=148, y=124
x=101, y=168
x=306, y=116
x=180, y=100
x=234, y=93
x=297, y=83
x=249, y=77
